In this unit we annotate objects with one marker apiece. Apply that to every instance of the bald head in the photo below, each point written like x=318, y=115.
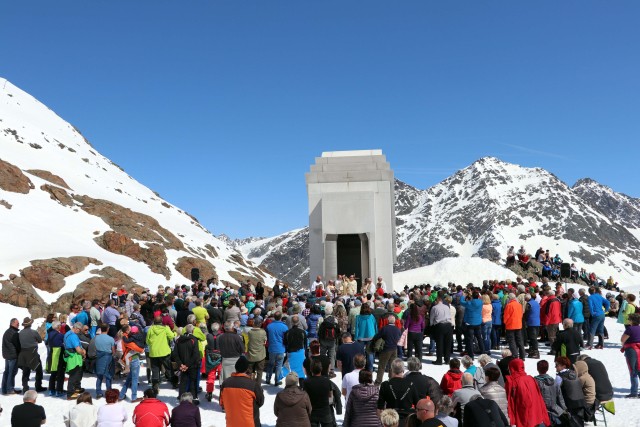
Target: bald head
x=425, y=409
x=467, y=379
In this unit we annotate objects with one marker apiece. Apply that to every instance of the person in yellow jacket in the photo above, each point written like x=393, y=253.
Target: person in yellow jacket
x=159, y=337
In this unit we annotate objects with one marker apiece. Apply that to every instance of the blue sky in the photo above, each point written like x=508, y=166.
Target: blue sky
x=221, y=106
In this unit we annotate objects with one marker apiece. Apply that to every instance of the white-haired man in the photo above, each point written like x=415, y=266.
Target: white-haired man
x=28, y=414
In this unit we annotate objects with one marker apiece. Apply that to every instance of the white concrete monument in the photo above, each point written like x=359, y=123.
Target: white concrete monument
x=352, y=221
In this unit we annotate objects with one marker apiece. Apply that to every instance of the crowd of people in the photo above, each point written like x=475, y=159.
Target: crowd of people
x=239, y=340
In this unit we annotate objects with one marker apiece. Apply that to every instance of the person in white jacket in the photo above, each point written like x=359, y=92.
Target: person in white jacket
x=83, y=414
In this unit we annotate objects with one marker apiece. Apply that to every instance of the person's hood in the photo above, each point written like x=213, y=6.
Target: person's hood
x=455, y=374
x=570, y=374
x=581, y=368
x=516, y=367
x=156, y=330
x=365, y=392
x=546, y=380
x=290, y=396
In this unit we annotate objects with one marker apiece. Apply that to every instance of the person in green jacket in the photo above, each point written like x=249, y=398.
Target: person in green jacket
x=628, y=307
x=158, y=338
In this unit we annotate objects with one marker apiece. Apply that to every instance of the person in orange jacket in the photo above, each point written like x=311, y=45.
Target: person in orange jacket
x=513, y=325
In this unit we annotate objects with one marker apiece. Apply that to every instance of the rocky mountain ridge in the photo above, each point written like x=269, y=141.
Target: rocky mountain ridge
x=483, y=209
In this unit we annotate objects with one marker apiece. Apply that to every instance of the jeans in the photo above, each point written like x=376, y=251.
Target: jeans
x=275, y=364
x=92, y=331
x=597, y=328
x=369, y=354
x=130, y=382
x=470, y=332
x=634, y=373
x=495, y=335
x=486, y=336
x=586, y=328
x=9, y=375
x=107, y=379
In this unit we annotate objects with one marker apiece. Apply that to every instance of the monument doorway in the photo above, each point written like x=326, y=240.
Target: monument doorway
x=353, y=255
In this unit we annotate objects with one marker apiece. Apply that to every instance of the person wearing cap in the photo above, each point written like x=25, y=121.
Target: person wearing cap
x=241, y=397
x=29, y=358
x=10, y=350
x=292, y=406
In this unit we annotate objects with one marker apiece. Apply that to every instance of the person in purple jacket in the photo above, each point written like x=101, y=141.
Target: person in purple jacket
x=414, y=324
x=186, y=414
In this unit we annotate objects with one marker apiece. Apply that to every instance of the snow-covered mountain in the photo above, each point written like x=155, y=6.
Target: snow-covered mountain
x=74, y=224
x=484, y=208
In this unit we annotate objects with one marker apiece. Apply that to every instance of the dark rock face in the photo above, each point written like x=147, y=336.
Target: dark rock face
x=185, y=264
x=481, y=211
x=153, y=255
x=12, y=179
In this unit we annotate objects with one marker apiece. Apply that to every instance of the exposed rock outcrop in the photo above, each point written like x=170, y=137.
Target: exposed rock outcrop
x=12, y=179
x=153, y=255
x=48, y=176
x=58, y=194
x=185, y=264
x=49, y=274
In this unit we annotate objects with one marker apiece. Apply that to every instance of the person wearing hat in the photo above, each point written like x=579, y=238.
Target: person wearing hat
x=292, y=406
x=28, y=358
x=241, y=397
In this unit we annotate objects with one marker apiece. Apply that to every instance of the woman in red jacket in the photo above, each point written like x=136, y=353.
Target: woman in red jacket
x=525, y=403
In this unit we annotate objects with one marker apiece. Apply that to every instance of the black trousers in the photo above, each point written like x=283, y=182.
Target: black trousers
x=414, y=340
x=189, y=378
x=26, y=372
x=157, y=363
x=514, y=339
x=56, y=380
x=442, y=333
x=75, y=377
x=532, y=332
x=459, y=339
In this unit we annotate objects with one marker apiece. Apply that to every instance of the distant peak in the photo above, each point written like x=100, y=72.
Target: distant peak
x=585, y=181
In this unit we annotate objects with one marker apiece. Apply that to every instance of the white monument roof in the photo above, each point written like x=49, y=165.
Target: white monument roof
x=352, y=153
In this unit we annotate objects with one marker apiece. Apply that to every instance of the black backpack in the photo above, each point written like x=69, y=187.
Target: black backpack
x=328, y=330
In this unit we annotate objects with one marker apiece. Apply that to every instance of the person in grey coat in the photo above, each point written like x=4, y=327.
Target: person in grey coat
x=494, y=391
x=551, y=393
x=486, y=362
x=463, y=395
x=29, y=358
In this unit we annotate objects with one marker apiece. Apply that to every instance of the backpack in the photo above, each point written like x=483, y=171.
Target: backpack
x=213, y=359
x=328, y=330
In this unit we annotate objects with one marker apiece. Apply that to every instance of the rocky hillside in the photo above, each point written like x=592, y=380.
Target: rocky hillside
x=75, y=224
x=483, y=209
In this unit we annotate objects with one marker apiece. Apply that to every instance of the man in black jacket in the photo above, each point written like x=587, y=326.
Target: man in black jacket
x=187, y=356
x=10, y=350
x=424, y=384
x=568, y=341
x=398, y=393
x=483, y=412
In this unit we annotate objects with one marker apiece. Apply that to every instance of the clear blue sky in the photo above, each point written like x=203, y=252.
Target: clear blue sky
x=221, y=106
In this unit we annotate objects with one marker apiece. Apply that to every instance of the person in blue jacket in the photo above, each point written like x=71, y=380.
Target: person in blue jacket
x=472, y=321
x=596, y=304
x=532, y=318
x=496, y=322
x=574, y=312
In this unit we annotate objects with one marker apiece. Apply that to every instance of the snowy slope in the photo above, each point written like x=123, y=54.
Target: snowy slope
x=34, y=139
x=488, y=206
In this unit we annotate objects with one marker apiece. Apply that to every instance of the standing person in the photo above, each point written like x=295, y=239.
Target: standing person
x=575, y=313
x=346, y=353
x=186, y=414
x=487, y=310
x=319, y=389
x=110, y=316
x=365, y=329
x=441, y=330
x=295, y=343
x=158, y=338
x=113, y=414
x=256, y=350
x=187, y=356
x=552, y=308
x=241, y=397
x=105, y=353
x=28, y=414
x=75, y=360
x=231, y=346
x=328, y=334
x=586, y=313
x=275, y=337
x=83, y=414
x=414, y=324
x=10, y=350
x=391, y=335
x=526, y=405
x=532, y=317
x=496, y=322
x=29, y=358
x=513, y=325
x=631, y=346
x=131, y=381
x=292, y=406
x=398, y=393
x=94, y=316
x=596, y=304
x=55, y=361
x=472, y=321
x=362, y=403
x=151, y=412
